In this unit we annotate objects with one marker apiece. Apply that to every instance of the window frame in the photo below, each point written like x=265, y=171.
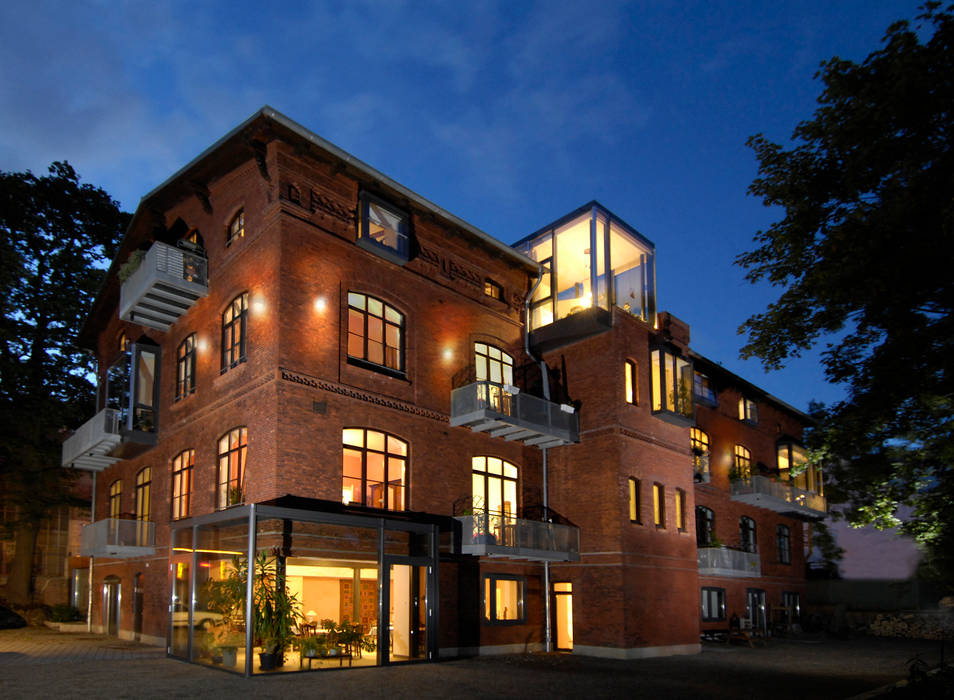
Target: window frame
x=182, y=473
x=143, y=504
x=668, y=365
x=742, y=462
x=387, y=457
x=659, y=505
x=115, y=502
x=234, y=343
x=235, y=455
x=702, y=389
x=748, y=410
x=489, y=605
x=185, y=367
x=398, y=254
x=233, y=232
x=701, y=450
x=493, y=289
x=706, y=603
x=631, y=382
x=705, y=524
x=783, y=534
x=363, y=361
x=680, y=510
x=748, y=534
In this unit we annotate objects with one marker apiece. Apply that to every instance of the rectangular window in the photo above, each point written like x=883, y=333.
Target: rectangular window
x=793, y=605
x=384, y=229
x=713, y=604
x=680, y=510
x=493, y=290
x=115, y=498
x=631, y=383
x=182, y=484
x=671, y=383
x=185, y=368
x=784, y=539
x=634, y=500
x=503, y=599
x=233, y=449
x=702, y=388
x=748, y=410
x=234, y=329
x=373, y=469
x=659, y=505
x=375, y=333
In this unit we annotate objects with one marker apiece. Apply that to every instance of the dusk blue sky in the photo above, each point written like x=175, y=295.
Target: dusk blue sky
x=508, y=114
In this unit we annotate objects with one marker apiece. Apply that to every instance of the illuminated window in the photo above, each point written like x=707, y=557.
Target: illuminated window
x=384, y=229
x=742, y=464
x=702, y=388
x=375, y=333
x=115, y=498
x=143, y=487
x=713, y=604
x=748, y=410
x=182, y=484
x=680, y=510
x=793, y=466
x=236, y=228
x=122, y=341
x=493, y=290
x=230, y=483
x=503, y=599
x=374, y=469
x=494, y=483
x=185, y=367
x=671, y=383
x=783, y=538
x=705, y=526
x=631, y=382
x=659, y=505
x=699, y=445
x=634, y=510
x=493, y=369
x=234, y=329
x=747, y=538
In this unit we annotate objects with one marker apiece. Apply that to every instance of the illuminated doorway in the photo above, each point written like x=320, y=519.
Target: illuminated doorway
x=112, y=595
x=563, y=614
x=405, y=599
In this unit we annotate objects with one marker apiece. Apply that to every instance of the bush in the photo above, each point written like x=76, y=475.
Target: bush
x=64, y=613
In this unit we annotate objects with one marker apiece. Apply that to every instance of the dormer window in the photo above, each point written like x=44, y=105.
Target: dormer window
x=384, y=229
x=748, y=410
x=493, y=290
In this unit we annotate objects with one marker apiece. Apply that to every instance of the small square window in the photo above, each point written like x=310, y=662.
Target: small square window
x=504, y=599
x=493, y=290
x=384, y=229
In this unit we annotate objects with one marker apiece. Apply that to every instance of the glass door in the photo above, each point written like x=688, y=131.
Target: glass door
x=563, y=613
x=405, y=607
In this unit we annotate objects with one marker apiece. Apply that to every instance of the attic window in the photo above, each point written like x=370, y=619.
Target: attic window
x=493, y=290
x=236, y=228
x=384, y=229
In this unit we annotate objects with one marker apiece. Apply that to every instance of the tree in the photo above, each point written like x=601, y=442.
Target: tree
x=56, y=237
x=865, y=258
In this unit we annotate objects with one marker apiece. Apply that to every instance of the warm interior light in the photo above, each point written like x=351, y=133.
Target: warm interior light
x=347, y=494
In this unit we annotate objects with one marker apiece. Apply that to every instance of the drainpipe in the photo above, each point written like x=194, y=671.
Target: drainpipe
x=89, y=586
x=548, y=641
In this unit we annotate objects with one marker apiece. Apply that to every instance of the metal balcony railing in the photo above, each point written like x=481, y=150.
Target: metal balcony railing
x=500, y=535
x=164, y=286
x=506, y=412
x=89, y=447
x=780, y=497
x=118, y=539
x=721, y=561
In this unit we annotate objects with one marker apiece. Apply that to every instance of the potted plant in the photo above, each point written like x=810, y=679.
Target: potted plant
x=276, y=610
x=312, y=647
x=127, y=269
x=226, y=642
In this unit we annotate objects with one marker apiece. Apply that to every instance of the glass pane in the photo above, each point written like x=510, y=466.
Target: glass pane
x=375, y=440
x=375, y=307
x=657, y=379
x=351, y=463
x=353, y=436
x=508, y=601
x=396, y=447
x=573, y=267
x=356, y=300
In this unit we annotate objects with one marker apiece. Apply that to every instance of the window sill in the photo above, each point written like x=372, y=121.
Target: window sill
x=380, y=369
x=382, y=251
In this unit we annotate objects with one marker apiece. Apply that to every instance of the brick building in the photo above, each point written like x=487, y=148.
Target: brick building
x=438, y=443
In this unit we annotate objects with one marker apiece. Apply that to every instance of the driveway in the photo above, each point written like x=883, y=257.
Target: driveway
x=40, y=663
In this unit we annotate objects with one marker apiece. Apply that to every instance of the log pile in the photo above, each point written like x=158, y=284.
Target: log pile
x=920, y=625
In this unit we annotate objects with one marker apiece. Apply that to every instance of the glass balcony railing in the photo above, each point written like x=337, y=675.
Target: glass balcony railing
x=494, y=534
x=90, y=446
x=722, y=561
x=167, y=283
x=118, y=539
x=506, y=412
x=780, y=497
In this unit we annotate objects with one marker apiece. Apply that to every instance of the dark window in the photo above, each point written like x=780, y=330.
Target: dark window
x=784, y=538
x=374, y=469
x=384, y=229
x=493, y=290
x=792, y=603
x=232, y=450
x=634, y=509
x=702, y=388
x=234, y=329
x=236, y=228
x=294, y=194
x=182, y=484
x=631, y=382
x=504, y=599
x=375, y=332
x=713, y=604
x=747, y=534
x=705, y=526
x=185, y=367
x=115, y=498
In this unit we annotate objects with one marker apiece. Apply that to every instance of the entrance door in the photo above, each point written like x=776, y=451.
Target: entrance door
x=755, y=609
x=563, y=615
x=112, y=596
x=137, y=606
x=405, y=606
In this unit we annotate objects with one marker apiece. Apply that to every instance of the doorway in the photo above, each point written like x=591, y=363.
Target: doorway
x=755, y=609
x=112, y=597
x=563, y=616
x=137, y=606
x=405, y=602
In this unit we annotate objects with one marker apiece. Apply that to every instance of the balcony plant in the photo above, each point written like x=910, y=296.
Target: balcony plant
x=132, y=264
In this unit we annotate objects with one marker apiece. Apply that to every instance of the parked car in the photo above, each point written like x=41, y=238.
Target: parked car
x=203, y=619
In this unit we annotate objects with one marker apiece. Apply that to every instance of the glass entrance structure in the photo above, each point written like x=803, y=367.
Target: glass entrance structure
x=299, y=585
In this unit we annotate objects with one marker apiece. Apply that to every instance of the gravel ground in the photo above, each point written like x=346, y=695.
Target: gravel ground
x=40, y=663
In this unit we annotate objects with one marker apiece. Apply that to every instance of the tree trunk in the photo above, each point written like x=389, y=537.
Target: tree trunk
x=19, y=589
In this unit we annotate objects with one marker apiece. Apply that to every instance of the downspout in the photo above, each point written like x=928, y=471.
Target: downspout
x=548, y=641
x=89, y=585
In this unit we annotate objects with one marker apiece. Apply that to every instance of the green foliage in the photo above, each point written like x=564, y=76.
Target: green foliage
x=275, y=609
x=864, y=256
x=56, y=238
x=64, y=613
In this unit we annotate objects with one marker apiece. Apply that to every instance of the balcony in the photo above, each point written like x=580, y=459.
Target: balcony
x=118, y=539
x=778, y=496
x=505, y=412
x=497, y=535
x=700, y=468
x=90, y=446
x=165, y=285
x=720, y=561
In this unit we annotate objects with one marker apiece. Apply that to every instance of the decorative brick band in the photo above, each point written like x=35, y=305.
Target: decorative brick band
x=351, y=393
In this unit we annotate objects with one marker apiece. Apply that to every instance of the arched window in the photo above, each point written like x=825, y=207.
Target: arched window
x=747, y=538
x=705, y=526
x=375, y=332
x=374, y=469
x=185, y=367
x=699, y=444
x=230, y=482
x=742, y=464
x=236, y=228
x=784, y=539
x=182, y=484
x=234, y=329
x=115, y=498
